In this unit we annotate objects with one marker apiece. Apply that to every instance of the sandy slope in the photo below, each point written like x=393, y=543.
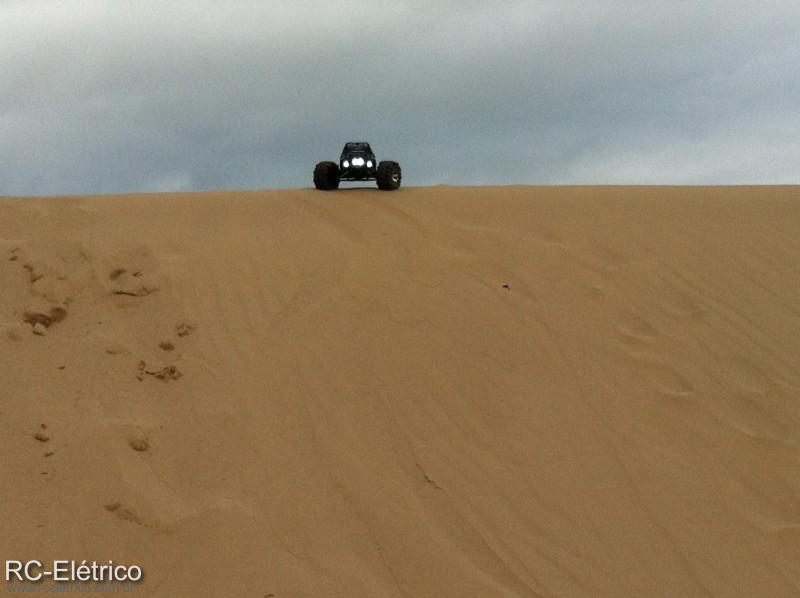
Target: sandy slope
x=355, y=405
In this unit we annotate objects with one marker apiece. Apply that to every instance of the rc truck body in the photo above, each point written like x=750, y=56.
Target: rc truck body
x=357, y=163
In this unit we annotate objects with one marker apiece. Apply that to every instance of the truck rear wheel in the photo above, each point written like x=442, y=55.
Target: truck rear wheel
x=326, y=176
x=389, y=176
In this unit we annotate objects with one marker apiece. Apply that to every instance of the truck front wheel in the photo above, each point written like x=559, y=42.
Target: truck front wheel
x=326, y=176
x=389, y=176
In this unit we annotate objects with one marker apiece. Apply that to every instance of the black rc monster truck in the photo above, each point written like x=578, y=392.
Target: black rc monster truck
x=357, y=163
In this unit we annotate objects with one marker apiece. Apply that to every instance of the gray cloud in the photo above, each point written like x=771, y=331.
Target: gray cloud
x=105, y=96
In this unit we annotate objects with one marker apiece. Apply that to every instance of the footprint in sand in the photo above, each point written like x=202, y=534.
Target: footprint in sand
x=184, y=329
x=130, y=283
x=34, y=273
x=166, y=373
x=54, y=315
x=116, y=349
x=612, y=258
x=12, y=331
x=132, y=272
x=140, y=445
x=123, y=513
x=669, y=382
x=41, y=435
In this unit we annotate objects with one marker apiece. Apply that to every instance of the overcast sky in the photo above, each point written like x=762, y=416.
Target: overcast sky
x=137, y=95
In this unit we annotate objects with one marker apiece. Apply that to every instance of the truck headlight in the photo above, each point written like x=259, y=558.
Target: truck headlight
x=346, y=164
x=369, y=163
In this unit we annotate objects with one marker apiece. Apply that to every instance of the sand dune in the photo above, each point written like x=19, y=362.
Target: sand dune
x=509, y=391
